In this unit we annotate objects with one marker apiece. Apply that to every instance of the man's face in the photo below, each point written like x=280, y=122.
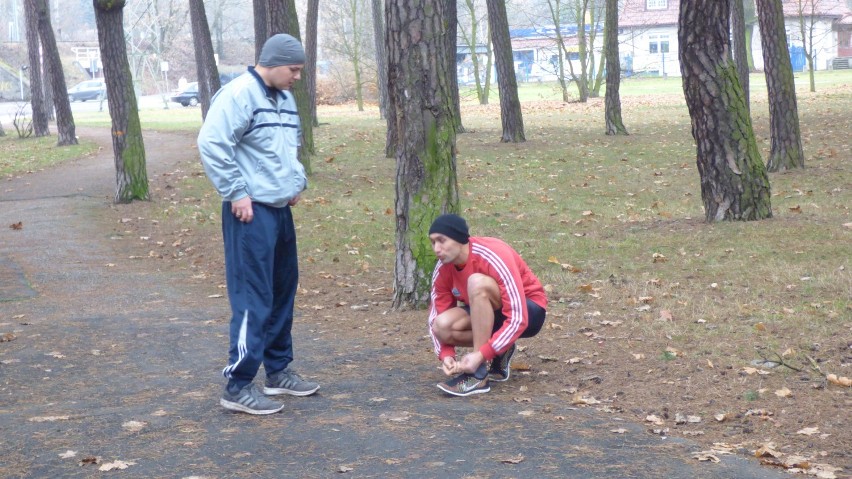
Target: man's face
x=283, y=77
x=447, y=250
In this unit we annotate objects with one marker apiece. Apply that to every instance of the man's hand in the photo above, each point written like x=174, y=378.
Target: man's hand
x=470, y=362
x=242, y=209
x=294, y=200
x=450, y=366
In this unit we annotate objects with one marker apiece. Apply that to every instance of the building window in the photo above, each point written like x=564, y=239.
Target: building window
x=656, y=4
x=658, y=44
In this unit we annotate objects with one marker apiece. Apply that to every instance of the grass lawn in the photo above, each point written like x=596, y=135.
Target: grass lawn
x=653, y=312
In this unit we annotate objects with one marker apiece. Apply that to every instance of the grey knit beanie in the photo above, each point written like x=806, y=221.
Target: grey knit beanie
x=281, y=49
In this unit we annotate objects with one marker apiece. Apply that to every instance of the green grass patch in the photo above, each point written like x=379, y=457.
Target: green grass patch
x=22, y=155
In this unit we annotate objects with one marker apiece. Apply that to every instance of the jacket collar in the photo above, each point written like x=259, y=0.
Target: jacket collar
x=270, y=92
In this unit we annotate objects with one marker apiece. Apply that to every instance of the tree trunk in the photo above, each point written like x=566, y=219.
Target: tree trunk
x=612, y=101
x=64, y=118
x=40, y=123
x=282, y=18
x=583, y=81
x=381, y=56
x=392, y=135
x=786, y=141
x=734, y=183
x=128, y=148
x=452, y=33
x=205, y=62
x=738, y=32
x=47, y=76
x=426, y=182
x=507, y=84
x=261, y=32
x=312, y=20
x=489, y=62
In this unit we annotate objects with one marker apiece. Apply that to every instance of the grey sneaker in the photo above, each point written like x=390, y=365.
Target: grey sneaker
x=288, y=382
x=250, y=400
x=501, y=366
x=465, y=384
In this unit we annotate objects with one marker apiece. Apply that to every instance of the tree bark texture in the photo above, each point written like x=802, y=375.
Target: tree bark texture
x=786, y=140
x=128, y=147
x=260, y=26
x=426, y=182
x=64, y=118
x=312, y=21
x=381, y=56
x=282, y=18
x=507, y=84
x=391, y=135
x=612, y=100
x=734, y=182
x=452, y=33
x=205, y=62
x=40, y=122
x=738, y=33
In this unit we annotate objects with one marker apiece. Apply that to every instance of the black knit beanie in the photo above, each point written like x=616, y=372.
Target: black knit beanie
x=452, y=226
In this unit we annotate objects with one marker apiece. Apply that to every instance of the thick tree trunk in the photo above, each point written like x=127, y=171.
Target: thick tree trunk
x=312, y=20
x=738, y=32
x=507, y=83
x=40, y=122
x=734, y=183
x=381, y=56
x=612, y=100
x=128, y=148
x=64, y=118
x=786, y=141
x=282, y=18
x=205, y=62
x=426, y=183
x=261, y=23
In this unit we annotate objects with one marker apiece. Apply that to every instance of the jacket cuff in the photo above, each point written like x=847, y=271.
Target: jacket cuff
x=446, y=352
x=488, y=352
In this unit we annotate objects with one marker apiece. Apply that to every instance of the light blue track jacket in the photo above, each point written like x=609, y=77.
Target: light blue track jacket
x=249, y=142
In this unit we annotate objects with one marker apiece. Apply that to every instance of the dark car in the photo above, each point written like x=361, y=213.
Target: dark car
x=189, y=95
x=87, y=90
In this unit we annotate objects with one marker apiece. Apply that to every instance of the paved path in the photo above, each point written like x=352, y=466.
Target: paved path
x=103, y=341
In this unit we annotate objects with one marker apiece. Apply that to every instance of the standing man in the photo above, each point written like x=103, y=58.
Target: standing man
x=503, y=301
x=249, y=147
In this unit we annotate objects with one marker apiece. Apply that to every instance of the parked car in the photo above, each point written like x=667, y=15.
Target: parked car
x=189, y=95
x=87, y=90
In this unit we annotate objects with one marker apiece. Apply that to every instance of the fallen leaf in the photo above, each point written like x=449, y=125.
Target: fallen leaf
x=784, y=392
x=134, y=426
x=720, y=417
x=584, y=400
x=68, y=454
x=840, y=381
x=49, y=418
x=513, y=460
x=654, y=420
x=659, y=258
x=526, y=413
x=109, y=466
x=345, y=469
x=638, y=356
x=705, y=456
x=7, y=337
x=620, y=430
x=17, y=226
x=90, y=460
x=808, y=431
x=666, y=315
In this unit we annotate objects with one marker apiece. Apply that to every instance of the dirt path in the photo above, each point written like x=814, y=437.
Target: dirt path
x=112, y=358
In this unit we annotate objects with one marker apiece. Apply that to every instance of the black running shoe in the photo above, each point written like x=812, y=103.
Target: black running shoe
x=500, y=369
